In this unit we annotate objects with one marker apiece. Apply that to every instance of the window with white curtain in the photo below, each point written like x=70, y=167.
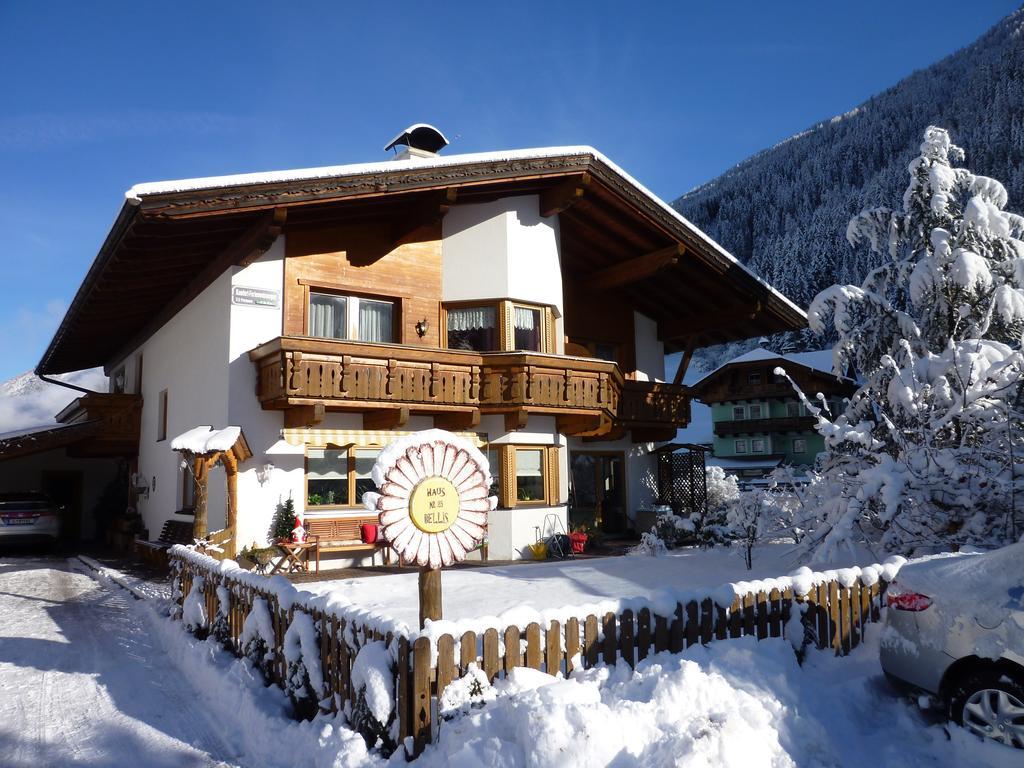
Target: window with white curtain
x=474, y=328
x=333, y=316
x=529, y=474
x=527, y=329
x=375, y=321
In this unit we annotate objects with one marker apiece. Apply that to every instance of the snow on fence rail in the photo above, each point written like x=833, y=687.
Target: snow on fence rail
x=314, y=659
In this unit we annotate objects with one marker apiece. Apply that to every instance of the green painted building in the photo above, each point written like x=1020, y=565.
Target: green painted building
x=758, y=421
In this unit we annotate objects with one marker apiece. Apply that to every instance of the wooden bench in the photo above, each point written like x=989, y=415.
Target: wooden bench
x=342, y=534
x=155, y=552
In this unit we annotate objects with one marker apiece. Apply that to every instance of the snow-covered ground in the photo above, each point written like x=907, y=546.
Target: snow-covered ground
x=472, y=593
x=82, y=682
x=90, y=675
x=734, y=704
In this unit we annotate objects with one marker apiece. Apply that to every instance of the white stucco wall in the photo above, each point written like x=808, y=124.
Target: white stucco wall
x=250, y=327
x=502, y=249
x=187, y=357
x=650, y=351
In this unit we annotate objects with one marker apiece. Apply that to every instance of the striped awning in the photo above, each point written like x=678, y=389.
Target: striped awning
x=361, y=437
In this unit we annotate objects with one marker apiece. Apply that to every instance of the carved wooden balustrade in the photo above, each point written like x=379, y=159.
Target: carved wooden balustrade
x=589, y=395
x=655, y=404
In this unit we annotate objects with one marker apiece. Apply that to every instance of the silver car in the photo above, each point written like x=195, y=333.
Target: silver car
x=955, y=629
x=28, y=516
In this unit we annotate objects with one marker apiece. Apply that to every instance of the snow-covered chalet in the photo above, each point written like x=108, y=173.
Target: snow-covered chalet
x=523, y=299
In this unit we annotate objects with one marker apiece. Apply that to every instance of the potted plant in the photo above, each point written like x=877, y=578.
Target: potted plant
x=578, y=538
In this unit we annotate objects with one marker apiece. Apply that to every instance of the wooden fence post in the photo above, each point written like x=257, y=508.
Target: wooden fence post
x=421, y=722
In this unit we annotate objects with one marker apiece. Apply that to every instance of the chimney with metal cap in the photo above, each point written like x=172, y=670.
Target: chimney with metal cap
x=417, y=141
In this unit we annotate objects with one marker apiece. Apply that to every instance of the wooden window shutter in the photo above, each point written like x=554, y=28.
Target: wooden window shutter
x=507, y=495
x=553, y=485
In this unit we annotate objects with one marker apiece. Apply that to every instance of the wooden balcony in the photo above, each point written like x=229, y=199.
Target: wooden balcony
x=750, y=426
x=117, y=417
x=655, y=405
x=388, y=383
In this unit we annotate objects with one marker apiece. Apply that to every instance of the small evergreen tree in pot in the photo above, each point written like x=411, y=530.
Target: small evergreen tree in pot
x=284, y=520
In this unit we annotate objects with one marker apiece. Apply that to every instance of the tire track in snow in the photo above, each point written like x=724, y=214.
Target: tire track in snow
x=80, y=680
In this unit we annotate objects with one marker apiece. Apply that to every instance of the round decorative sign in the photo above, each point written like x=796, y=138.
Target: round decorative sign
x=433, y=497
x=434, y=505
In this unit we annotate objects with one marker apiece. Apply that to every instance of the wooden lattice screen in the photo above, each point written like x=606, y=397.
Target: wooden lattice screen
x=682, y=483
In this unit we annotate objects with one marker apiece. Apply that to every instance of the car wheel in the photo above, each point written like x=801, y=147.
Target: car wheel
x=991, y=705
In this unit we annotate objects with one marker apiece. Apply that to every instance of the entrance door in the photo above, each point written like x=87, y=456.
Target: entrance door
x=65, y=489
x=597, y=496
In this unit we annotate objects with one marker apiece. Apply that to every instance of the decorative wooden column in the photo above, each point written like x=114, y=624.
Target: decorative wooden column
x=200, y=474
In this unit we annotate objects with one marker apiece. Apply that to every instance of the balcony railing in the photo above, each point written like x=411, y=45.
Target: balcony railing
x=357, y=376
x=118, y=417
x=780, y=424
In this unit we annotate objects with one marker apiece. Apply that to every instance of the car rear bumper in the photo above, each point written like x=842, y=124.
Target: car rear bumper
x=905, y=656
x=43, y=528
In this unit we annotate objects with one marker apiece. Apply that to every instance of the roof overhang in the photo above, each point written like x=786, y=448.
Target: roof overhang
x=172, y=239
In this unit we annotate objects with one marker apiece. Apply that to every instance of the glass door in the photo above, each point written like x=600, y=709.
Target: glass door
x=597, y=491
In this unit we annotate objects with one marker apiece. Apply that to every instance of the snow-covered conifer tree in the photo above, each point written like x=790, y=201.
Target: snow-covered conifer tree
x=928, y=453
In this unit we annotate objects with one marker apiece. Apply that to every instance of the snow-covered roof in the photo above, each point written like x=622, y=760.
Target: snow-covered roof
x=817, y=360
x=139, y=191
x=201, y=440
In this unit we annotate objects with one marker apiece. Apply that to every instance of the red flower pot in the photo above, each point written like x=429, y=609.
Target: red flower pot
x=368, y=533
x=578, y=541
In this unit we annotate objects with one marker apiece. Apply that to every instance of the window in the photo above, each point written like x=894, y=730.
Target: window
x=604, y=351
x=739, y=413
x=498, y=326
x=753, y=378
x=527, y=327
x=474, y=328
x=494, y=460
x=326, y=477
x=529, y=475
x=799, y=445
x=333, y=316
x=161, y=416
x=755, y=411
x=792, y=409
x=338, y=477
x=757, y=445
x=740, y=446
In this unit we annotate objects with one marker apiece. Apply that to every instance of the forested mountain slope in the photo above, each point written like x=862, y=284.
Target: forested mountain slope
x=784, y=211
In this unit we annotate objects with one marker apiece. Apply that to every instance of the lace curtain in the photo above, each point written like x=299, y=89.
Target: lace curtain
x=471, y=318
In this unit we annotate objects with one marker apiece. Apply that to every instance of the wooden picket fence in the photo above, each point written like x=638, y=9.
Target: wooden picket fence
x=834, y=616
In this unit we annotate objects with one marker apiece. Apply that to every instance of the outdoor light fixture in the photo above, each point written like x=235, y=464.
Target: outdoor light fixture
x=422, y=327
x=263, y=472
x=139, y=485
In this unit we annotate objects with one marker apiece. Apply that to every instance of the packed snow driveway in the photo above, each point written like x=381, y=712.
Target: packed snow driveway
x=81, y=682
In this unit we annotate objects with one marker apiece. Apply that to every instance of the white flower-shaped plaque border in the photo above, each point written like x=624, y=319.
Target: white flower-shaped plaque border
x=433, y=497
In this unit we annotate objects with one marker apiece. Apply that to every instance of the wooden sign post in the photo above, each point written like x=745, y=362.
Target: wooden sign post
x=432, y=505
x=430, y=595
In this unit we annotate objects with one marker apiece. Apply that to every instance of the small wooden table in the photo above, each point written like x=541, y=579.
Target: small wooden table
x=295, y=558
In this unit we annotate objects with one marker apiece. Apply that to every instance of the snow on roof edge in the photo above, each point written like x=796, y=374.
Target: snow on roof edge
x=325, y=172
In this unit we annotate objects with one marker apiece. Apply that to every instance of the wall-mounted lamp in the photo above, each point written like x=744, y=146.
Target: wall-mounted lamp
x=140, y=485
x=422, y=327
x=263, y=473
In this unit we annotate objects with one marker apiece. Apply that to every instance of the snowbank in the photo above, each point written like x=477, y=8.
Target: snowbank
x=740, y=704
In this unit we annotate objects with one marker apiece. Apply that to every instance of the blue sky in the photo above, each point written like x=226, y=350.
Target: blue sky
x=98, y=96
